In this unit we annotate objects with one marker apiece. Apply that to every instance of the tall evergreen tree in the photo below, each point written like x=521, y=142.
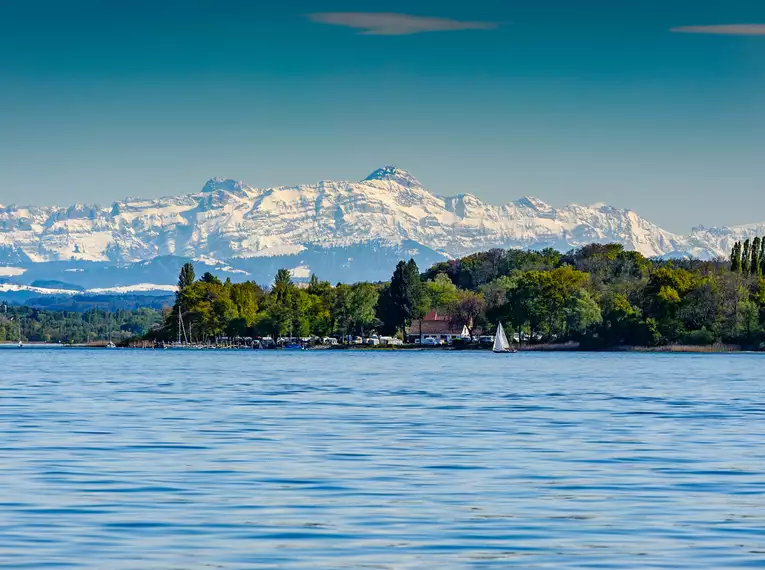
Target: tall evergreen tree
x=399, y=296
x=406, y=294
x=282, y=302
x=420, y=297
x=762, y=256
x=735, y=258
x=755, y=264
x=186, y=276
x=186, y=279
x=746, y=256
x=419, y=294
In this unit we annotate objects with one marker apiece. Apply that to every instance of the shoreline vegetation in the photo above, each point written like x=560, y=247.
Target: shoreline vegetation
x=558, y=347
x=596, y=298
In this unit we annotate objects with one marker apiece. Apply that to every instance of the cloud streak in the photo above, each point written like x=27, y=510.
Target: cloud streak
x=391, y=24
x=724, y=30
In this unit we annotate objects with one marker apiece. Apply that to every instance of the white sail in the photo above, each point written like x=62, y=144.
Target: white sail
x=500, y=340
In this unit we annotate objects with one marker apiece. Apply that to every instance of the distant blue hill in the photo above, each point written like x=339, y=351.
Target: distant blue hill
x=53, y=284
x=82, y=303
x=371, y=261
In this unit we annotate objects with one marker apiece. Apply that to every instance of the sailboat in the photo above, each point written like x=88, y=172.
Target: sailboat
x=110, y=344
x=18, y=322
x=500, y=340
x=183, y=340
x=291, y=345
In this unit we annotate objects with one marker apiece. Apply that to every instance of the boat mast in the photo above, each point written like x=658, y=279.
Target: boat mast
x=181, y=328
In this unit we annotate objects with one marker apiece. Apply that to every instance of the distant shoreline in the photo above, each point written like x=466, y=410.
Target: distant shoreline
x=567, y=347
x=38, y=344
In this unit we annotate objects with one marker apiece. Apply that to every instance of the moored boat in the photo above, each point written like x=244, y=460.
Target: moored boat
x=500, y=341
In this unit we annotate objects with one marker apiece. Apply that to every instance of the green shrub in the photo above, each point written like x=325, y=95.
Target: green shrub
x=701, y=337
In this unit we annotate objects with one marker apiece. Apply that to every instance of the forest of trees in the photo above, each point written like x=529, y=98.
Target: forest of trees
x=599, y=295
x=42, y=325
x=748, y=257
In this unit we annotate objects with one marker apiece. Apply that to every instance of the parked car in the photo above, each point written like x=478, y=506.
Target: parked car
x=329, y=340
x=429, y=341
x=390, y=341
x=350, y=339
x=487, y=340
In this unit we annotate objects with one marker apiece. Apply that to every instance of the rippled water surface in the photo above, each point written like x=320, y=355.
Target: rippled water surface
x=163, y=460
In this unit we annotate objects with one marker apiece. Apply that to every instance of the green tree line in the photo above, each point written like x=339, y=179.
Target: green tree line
x=42, y=325
x=599, y=295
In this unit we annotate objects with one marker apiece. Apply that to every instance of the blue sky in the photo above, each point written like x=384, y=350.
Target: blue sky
x=588, y=101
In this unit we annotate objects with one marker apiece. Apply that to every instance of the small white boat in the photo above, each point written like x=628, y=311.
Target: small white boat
x=110, y=344
x=500, y=341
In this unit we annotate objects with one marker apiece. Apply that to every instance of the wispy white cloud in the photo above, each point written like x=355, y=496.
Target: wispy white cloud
x=390, y=24
x=724, y=30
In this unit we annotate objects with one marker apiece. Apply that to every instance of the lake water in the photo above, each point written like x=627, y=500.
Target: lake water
x=203, y=460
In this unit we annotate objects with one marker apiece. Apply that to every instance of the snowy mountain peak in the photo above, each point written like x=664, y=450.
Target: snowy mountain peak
x=535, y=204
x=231, y=221
x=226, y=184
x=394, y=174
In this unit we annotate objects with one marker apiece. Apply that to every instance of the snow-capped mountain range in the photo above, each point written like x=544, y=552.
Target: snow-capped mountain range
x=229, y=225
